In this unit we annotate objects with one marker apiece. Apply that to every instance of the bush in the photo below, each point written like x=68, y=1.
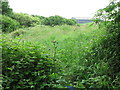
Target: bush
x=70, y=22
x=41, y=18
x=18, y=33
x=58, y=20
x=54, y=20
x=25, y=20
x=9, y=24
x=110, y=47
x=25, y=66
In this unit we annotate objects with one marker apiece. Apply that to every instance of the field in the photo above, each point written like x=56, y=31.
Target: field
x=74, y=50
x=45, y=53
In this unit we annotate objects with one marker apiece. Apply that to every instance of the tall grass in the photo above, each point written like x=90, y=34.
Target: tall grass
x=75, y=52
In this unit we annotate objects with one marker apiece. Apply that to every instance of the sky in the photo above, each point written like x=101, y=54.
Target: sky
x=64, y=8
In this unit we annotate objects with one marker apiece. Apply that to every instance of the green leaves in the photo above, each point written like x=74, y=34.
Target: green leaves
x=8, y=24
x=110, y=46
x=23, y=66
x=6, y=10
x=25, y=20
x=54, y=76
x=58, y=20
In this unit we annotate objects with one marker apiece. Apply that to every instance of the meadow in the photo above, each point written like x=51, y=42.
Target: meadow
x=44, y=53
x=74, y=50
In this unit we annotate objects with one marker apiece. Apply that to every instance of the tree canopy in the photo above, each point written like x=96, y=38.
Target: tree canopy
x=6, y=10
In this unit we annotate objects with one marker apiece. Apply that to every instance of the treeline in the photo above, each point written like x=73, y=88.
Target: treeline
x=12, y=21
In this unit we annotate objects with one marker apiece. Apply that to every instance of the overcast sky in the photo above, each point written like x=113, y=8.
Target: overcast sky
x=64, y=8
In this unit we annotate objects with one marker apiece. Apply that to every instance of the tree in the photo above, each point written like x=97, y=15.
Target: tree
x=0, y=8
x=25, y=20
x=6, y=10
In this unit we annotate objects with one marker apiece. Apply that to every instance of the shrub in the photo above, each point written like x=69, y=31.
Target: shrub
x=70, y=22
x=25, y=66
x=58, y=20
x=9, y=24
x=110, y=46
x=25, y=20
x=18, y=32
x=41, y=18
x=53, y=20
x=35, y=21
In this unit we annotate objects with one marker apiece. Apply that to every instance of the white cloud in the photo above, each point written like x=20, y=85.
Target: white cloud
x=65, y=8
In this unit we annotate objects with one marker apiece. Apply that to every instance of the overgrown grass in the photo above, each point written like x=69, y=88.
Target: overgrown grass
x=74, y=50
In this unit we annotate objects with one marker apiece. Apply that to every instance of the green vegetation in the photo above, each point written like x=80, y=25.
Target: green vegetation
x=8, y=24
x=75, y=53
x=25, y=20
x=45, y=57
x=111, y=46
x=12, y=21
x=6, y=10
x=25, y=65
x=57, y=20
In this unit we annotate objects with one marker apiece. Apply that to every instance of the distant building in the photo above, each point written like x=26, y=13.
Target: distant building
x=82, y=20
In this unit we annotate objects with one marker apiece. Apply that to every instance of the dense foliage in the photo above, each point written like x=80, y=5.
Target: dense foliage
x=25, y=66
x=111, y=45
x=58, y=20
x=64, y=55
x=42, y=18
x=8, y=24
x=25, y=20
x=6, y=10
x=11, y=20
x=0, y=7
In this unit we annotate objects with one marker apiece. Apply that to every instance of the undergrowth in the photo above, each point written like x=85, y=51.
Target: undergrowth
x=75, y=55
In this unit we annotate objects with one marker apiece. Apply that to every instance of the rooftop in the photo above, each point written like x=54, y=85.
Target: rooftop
x=81, y=18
